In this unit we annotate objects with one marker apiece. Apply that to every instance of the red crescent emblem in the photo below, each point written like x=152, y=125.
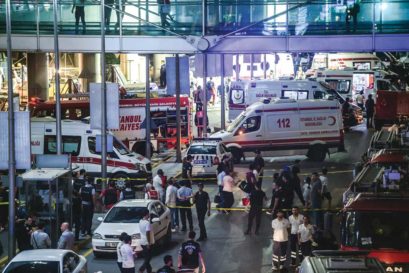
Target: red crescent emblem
x=333, y=120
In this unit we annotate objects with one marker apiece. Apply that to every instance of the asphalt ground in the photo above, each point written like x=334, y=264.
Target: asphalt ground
x=227, y=250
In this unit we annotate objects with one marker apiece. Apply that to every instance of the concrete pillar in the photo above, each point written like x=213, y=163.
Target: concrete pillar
x=37, y=73
x=90, y=69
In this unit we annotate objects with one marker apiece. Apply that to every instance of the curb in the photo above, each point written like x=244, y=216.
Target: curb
x=77, y=248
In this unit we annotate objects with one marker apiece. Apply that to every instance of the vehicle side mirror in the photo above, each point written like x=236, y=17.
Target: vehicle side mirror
x=100, y=219
x=155, y=220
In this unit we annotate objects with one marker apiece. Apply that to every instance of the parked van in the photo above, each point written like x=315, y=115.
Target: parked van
x=245, y=93
x=79, y=140
x=286, y=124
x=349, y=82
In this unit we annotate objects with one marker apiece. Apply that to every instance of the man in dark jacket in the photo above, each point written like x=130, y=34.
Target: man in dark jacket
x=370, y=110
x=257, y=198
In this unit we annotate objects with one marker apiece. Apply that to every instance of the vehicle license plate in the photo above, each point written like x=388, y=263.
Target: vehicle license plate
x=111, y=244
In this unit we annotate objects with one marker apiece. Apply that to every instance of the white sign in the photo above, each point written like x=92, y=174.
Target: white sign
x=112, y=105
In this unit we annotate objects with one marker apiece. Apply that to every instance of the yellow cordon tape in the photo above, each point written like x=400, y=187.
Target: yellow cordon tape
x=247, y=208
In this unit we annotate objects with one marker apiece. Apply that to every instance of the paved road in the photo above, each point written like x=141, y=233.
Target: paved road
x=227, y=249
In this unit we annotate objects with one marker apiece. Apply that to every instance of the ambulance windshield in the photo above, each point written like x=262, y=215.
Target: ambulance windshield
x=120, y=147
x=236, y=123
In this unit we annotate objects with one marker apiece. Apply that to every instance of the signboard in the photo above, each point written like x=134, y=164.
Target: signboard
x=112, y=108
x=213, y=65
x=21, y=140
x=183, y=75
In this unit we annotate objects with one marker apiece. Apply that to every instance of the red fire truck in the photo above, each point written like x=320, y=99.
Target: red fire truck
x=132, y=120
x=390, y=105
x=375, y=216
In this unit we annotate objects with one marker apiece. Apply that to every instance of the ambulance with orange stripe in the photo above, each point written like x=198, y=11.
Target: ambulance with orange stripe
x=315, y=126
x=80, y=141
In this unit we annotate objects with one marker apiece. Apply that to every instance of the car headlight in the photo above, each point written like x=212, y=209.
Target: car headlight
x=97, y=236
x=136, y=236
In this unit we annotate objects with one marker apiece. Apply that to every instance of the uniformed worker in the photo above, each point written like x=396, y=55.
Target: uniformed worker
x=127, y=193
x=202, y=201
x=87, y=193
x=280, y=227
x=296, y=219
x=190, y=255
x=168, y=267
x=79, y=180
x=257, y=198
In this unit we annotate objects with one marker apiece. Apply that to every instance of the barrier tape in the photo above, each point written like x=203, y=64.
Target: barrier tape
x=100, y=179
x=264, y=209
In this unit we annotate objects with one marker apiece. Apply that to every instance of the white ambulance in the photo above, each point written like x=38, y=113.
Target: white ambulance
x=286, y=124
x=350, y=82
x=79, y=140
x=245, y=93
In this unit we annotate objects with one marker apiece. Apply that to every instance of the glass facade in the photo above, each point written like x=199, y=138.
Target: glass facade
x=221, y=17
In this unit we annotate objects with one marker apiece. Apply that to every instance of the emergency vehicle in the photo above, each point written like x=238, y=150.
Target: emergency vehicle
x=390, y=106
x=132, y=120
x=206, y=154
x=245, y=93
x=286, y=124
x=80, y=141
x=378, y=223
x=349, y=82
x=339, y=61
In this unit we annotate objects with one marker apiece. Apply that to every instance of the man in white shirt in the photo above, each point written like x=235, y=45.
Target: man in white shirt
x=171, y=197
x=296, y=219
x=118, y=250
x=67, y=237
x=40, y=239
x=326, y=194
x=157, y=184
x=127, y=254
x=305, y=232
x=280, y=227
x=145, y=230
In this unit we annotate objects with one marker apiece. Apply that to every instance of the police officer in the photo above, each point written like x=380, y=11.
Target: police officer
x=202, y=201
x=190, y=255
x=168, y=267
x=76, y=210
x=110, y=196
x=259, y=166
x=127, y=193
x=257, y=198
x=87, y=193
x=79, y=180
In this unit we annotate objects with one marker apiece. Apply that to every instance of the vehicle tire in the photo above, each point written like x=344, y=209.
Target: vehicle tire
x=168, y=237
x=317, y=152
x=139, y=148
x=378, y=124
x=97, y=255
x=237, y=155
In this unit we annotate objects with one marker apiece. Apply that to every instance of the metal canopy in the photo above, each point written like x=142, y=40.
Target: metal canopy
x=43, y=174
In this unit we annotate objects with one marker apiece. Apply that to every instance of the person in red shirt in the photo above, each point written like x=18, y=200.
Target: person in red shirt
x=109, y=196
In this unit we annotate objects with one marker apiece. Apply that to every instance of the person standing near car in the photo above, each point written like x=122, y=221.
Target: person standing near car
x=190, y=255
x=370, y=110
x=157, y=184
x=202, y=201
x=280, y=227
x=259, y=166
x=296, y=219
x=127, y=193
x=109, y=196
x=257, y=198
x=40, y=239
x=171, y=199
x=87, y=193
x=326, y=194
x=228, y=198
x=184, y=195
x=187, y=169
x=121, y=238
x=145, y=231
x=316, y=200
x=127, y=254
x=67, y=237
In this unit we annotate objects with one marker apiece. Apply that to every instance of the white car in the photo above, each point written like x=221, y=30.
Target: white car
x=47, y=260
x=206, y=153
x=124, y=217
